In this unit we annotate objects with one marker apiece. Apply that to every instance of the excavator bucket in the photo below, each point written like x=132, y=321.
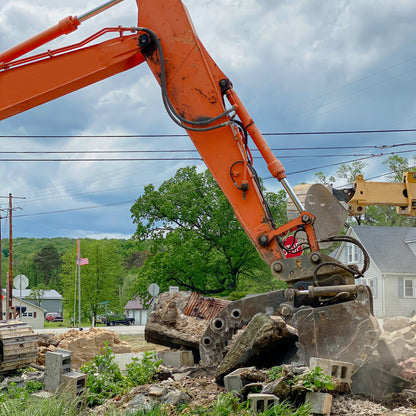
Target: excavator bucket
x=329, y=212
x=344, y=331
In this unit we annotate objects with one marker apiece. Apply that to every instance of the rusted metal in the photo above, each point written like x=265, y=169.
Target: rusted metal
x=204, y=308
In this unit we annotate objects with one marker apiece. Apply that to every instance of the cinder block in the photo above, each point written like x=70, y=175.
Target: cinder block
x=339, y=370
x=176, y=359
x=75, y=384
x=56, y=363
x=320, y=403
x=260, y=402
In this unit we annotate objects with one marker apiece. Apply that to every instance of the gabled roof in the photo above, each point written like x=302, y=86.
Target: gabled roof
x=137, y=304
x=47, y=294
x=387, y=247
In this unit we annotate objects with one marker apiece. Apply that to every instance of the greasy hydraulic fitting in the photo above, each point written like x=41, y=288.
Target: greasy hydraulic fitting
x=146, y=43
x=225, y=84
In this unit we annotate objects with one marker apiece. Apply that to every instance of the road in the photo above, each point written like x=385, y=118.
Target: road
x=120, y=329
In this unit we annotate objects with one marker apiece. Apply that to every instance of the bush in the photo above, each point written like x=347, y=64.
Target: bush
x=104, y=379
x=142, y=372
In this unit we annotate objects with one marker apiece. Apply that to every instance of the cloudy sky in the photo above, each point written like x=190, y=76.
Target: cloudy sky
x=300, y=66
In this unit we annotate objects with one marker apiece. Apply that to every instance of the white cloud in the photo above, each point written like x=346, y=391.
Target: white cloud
x=298, y=65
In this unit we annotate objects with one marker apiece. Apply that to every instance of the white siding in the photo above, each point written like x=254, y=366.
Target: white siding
x=396, y=305
x=34, y=315
x=372, y=273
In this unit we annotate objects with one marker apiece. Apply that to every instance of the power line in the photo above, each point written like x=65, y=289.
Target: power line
x=146, y=136
x=112, y=151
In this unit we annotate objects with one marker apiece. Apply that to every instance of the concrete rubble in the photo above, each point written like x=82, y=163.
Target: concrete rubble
x=244, y=368
x=169, y=326
x=85, y=345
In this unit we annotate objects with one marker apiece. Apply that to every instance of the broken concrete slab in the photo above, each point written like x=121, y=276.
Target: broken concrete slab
x=176, y=358
x=126, y=358
x=167, y=325
x=321, y=403
x=266, y=342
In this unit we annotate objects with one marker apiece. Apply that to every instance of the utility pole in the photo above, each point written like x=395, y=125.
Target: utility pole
x=9, y=286
x=1, y=289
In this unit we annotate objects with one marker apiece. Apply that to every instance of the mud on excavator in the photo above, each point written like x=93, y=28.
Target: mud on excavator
x=333, y=316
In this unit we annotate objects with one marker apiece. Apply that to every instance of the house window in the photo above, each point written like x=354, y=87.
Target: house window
x=409, y=288
x=353, y=253
x=371, y=283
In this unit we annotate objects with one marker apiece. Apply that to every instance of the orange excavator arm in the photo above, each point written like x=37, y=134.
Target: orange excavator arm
x=194, y=92
x=322, y=296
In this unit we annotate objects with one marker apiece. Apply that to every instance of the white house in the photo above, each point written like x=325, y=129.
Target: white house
x=138, y=310
x=32, y=314
x=392, y=272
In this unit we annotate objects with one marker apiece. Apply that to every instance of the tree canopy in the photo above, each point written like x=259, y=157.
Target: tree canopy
x=100, y=279
x=198, y=243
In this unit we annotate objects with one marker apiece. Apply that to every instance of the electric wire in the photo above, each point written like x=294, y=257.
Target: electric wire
x=154, y=136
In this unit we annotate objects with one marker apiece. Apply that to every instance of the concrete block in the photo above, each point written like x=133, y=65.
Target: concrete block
x=233, y=382
x=127, y=358
x=260, y=402
x=176, y=359
x=75, y=384
x=339, y=370
x=320, y=403
x=56, y=363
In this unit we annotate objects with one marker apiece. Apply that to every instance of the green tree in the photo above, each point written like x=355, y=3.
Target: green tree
x=199, y=244
x=46, y=266
x=36, y=294
x=349, y=172
x=100, y=279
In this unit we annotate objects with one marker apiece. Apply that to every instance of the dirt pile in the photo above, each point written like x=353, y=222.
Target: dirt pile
x=85, y=345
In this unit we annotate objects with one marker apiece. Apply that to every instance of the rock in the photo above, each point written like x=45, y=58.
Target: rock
x=278, y=387
x=176, y=398
x=400, y=349
x=265, y=342
x=44, y=340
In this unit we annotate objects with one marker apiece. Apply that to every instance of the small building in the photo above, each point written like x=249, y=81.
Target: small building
x=32, y=314
x=49, y=301
x=138, y=310
x=391, y=275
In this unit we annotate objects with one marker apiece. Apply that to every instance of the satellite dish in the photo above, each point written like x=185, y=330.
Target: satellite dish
x=20, y=282
x=153, y=289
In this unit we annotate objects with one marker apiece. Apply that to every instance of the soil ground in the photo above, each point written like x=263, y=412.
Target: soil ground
x=138, y=343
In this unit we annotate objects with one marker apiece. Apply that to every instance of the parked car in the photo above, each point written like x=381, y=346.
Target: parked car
x=54, y=317
x=119, y=320
x=101, y=319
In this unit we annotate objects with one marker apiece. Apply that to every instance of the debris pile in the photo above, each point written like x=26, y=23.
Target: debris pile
x=169, y=326
x=400, y=336
x=85, y=345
